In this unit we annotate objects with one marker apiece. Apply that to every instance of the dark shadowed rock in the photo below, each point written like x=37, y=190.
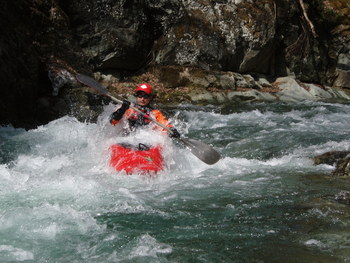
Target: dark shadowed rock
x=341, y=160
x=343, y=197
x=119, y=35
x=330, y=158
x=216, y=35
x=342, y=167
x=38, y=57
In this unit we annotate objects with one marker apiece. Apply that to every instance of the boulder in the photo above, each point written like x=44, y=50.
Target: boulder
x=343, y=197
x=341, y=160
x=292, y=90
x=330, y=158
x=342, y=167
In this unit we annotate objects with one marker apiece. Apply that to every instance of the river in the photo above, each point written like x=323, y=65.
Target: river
x=264, y=201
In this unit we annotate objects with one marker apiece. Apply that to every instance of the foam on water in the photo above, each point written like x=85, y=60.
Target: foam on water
x=10, y=253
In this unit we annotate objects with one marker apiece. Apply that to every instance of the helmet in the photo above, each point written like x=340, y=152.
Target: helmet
x=145, y=88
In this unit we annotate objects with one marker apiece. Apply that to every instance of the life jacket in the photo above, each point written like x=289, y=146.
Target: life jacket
x=136, y=119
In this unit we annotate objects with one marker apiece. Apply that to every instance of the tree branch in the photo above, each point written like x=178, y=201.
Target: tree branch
x=312, y=28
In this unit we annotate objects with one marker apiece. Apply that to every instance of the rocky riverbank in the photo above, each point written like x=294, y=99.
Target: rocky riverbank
x=192, y=51
x=196, y=86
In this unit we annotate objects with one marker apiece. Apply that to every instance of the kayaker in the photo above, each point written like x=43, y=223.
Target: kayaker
x=144, y=96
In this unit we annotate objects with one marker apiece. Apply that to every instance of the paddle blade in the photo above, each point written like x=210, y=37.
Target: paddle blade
x=90, y=82
x=203, y=151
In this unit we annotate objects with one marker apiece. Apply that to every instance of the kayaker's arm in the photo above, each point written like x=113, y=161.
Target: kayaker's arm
x=161, y=119
x=118, y=114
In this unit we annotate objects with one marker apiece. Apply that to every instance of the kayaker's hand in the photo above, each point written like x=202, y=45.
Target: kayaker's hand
x=125, y=105
x=118, y=114
x=174, y=133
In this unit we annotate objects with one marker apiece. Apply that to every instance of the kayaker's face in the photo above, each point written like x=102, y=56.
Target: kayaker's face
x=143, y=99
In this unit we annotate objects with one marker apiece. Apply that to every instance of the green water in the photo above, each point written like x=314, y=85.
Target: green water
x=264, y=201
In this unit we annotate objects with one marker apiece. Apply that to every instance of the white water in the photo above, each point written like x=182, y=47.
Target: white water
x=61, y=202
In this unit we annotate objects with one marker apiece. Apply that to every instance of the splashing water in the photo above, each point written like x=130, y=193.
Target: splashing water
x=263, y=202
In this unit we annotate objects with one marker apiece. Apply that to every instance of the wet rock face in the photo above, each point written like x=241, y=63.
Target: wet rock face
x=341, y=43
x=265, y=37
x=209, y=34
x=118, y=35
x=333, y=21
x=217, y=35
x=343, y=167
x=36, y=46
x=21, y=71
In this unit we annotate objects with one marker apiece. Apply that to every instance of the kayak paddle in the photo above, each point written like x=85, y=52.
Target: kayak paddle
x=203, y=151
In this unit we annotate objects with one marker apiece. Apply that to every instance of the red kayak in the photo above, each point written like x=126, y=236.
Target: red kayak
x=139, y=159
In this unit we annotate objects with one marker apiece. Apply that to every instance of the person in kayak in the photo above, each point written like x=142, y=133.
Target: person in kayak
x=144, y=96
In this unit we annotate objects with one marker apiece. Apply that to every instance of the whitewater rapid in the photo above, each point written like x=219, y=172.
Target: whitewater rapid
x=61, y=202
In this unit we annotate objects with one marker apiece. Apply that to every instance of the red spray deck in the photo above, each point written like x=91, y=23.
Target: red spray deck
x=132, y=159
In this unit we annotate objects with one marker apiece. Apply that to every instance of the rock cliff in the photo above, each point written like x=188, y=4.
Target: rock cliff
x=210, y=48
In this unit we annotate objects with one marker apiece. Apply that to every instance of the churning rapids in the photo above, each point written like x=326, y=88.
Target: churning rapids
x=264, y=201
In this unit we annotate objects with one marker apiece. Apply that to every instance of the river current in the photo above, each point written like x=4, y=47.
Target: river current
x=264, y=201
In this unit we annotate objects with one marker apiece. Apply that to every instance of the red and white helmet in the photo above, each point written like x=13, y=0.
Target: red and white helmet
x=145, y=88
